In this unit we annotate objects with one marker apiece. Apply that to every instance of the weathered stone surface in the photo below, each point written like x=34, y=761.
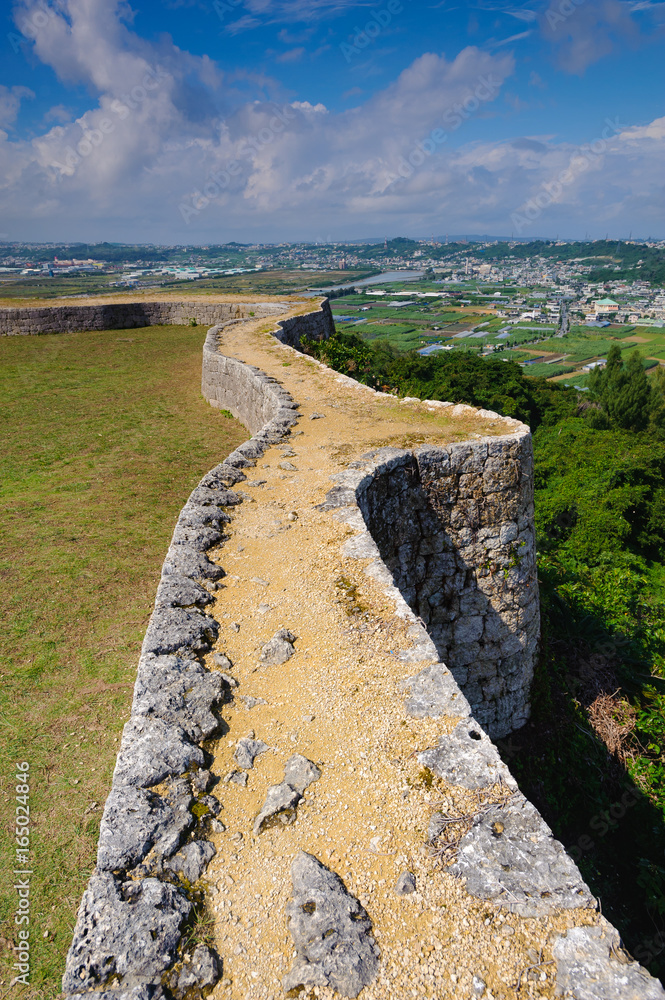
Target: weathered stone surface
x=128, y=929
x=406, y=884
x=434, y=692
x=248, y=701
x=279, y=806
x=192, y=860
x=300, y=773
x=204, y=497
x=152, y=750
x=135, y=820
x=457, y=556
x=467, y=757
x=213, y=804
x=511, y=856
x=237, y=778
x=181, y=592
x=591, y=965
x=279, y=649
x=222, y=661
x=331, y=931
x=201, y=780
x=221, y=477
x=172, y=630
x=178, y=691
x=184, y=560
x=247, y=750
x=281, y=800
x=204, y=969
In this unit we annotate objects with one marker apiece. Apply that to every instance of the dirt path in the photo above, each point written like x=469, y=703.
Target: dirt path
x=337, y=702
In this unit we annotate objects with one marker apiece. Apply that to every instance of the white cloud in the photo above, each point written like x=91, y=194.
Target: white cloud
x=10, y=102
x=169, y=129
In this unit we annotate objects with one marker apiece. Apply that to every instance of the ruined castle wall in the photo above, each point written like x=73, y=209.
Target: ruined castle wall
x=31, y=320
x=442, y=527
x=454, y=526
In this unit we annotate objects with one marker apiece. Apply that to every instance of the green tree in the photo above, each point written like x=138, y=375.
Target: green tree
x=622, y=391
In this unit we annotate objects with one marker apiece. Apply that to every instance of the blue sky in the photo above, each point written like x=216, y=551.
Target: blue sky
x=190, y=121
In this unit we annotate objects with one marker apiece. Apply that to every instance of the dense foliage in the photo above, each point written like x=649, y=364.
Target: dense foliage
x=493, y=383
x=592, y=757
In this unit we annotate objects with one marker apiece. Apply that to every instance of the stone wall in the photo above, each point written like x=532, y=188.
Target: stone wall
x=30, y=320
x=448, y=527
x=317, y=325
x=454, y=526
x=153, y=843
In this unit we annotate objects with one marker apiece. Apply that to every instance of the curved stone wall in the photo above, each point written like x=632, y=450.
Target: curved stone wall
x=440, y=528
x=454, y=526
x=62, y=318
x=152, y=839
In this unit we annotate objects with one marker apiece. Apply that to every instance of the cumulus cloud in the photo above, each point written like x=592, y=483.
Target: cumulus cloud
x=584, y=33
x=10, y=102
x=173, y=149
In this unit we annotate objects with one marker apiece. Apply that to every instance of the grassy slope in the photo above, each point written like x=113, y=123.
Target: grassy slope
x=105, y=435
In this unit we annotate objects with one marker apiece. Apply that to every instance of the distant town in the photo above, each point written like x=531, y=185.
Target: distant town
x=554, y=307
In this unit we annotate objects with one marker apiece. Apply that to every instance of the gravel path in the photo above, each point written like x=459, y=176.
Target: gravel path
x=337, y=702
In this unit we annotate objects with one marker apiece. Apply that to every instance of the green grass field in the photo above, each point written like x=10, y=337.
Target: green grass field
x=104, y=434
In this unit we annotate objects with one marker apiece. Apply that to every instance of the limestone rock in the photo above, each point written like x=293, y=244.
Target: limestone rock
x=201, y=780
x=172, y=630
x=406, y=884
x=181, y=592
x=222, y=661
x=467, y=757
x=437, y=824
x=510, y=856
x=300, y=773
x=331, y=931
x=247, y=750
x=280, y=805
x=178, y=690
x=249, y=701
x=279, y=649
x=591, y=965
x=152, y=750
x=136, y=820
x=433, y=693
x=128, y=929
x=192, y=860
x=281, y=800
x=205, y=969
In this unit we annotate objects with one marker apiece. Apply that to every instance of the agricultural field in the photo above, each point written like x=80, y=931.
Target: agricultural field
x=408, y=327
x=473, y=327
x=105, y=434
x=269, y=282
